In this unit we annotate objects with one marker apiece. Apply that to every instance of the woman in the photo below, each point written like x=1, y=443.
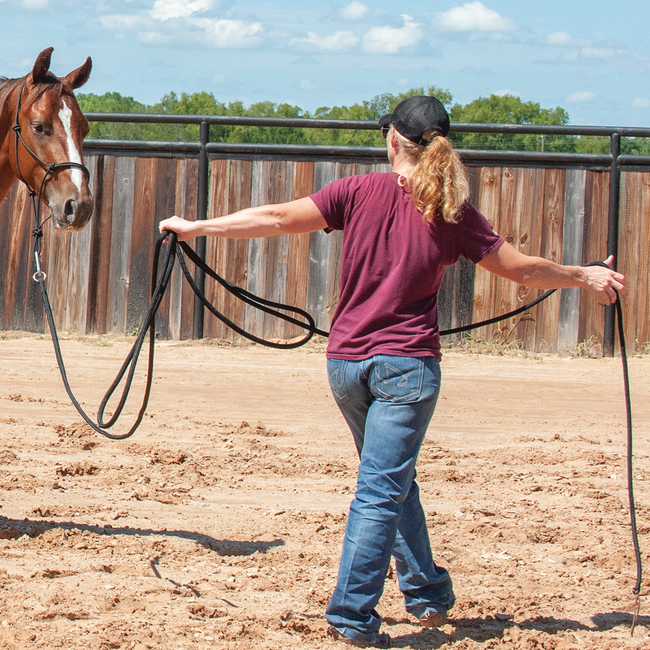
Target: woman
x=401, y=230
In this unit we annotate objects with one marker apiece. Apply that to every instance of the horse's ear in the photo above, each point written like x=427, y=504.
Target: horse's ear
x=78, y=77
x=42, y=65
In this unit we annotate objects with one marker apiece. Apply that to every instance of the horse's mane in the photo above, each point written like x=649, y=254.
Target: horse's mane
x=49, y=83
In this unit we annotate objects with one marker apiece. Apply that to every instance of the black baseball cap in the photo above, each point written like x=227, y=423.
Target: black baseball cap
x=415, y=116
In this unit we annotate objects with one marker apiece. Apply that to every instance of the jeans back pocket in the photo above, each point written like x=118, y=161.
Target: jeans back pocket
x=398, y=379
x=336, y=374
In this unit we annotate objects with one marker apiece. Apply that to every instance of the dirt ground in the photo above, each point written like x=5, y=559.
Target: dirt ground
x=219, y=523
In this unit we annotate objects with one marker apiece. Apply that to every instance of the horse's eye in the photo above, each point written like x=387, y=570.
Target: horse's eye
x=38, y=128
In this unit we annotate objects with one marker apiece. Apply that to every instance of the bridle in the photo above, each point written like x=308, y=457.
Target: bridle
x=50, y=168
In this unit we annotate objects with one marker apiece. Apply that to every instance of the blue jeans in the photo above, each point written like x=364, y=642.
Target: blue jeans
x=388, y=403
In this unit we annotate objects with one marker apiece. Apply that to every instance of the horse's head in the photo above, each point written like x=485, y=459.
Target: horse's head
x=53, y=127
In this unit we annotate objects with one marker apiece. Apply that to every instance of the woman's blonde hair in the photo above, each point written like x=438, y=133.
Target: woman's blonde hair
x=438, y=182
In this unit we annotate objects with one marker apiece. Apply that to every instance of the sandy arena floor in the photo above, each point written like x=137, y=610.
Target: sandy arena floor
x=219, y=523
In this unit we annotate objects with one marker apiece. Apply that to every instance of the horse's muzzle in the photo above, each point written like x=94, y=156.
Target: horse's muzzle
x=73, y=214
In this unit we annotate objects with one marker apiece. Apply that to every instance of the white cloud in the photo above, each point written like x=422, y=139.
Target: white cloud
x=389, y=40
x=559, y=38
x=403, y=82
x=153, y=38
x=308, y=85
x=472, y=17
x=354, y=11
x=172, y=22
x=641, y=102
x=597, y=52
x=564, y=39
x=337, y=42
x=121, y=22
x=167, y=9
x=571, y=55
x=35, y=4
x=224, y=34
x=580, y=97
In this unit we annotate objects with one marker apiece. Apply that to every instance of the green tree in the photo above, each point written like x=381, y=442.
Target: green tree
x=270, y=135
x=201, y=103
x=112, y=103
x=634, y=146
x=592, y=144
x=370, y=110
x=508, y=109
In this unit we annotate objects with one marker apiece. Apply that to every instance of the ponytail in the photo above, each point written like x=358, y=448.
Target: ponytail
x=438, y=182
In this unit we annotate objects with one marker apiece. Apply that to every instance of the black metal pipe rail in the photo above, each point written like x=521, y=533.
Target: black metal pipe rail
x=215, y=149
x=204, y=149
x=365, y=125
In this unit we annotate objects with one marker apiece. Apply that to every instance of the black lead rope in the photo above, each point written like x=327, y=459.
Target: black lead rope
x=131, y=361
x=630, y=477
x=275, y=309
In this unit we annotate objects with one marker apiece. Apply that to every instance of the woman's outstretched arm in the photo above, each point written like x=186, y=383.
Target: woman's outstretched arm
x=297, y=216
x=540, y=273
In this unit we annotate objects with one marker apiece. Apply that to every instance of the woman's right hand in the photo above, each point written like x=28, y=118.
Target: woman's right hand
x=184, y=229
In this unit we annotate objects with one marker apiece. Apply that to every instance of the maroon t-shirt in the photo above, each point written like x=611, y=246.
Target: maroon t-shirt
x=392, y=266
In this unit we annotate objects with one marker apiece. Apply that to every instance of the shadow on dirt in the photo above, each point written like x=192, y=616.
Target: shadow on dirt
x=14, y=528
x=483, y=629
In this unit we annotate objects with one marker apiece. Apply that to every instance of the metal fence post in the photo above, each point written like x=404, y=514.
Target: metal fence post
x=612, y=237
x=201, y=213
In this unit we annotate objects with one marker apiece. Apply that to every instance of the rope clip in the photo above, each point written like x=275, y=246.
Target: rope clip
x=39, y=275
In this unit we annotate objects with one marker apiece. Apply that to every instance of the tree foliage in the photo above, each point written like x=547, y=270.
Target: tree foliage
x=506, y=109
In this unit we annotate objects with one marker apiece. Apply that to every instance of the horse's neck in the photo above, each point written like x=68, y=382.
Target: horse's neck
x=7, y=101
x=7, y=117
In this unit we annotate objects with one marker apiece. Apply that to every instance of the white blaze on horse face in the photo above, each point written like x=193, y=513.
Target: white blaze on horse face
x=65, y=115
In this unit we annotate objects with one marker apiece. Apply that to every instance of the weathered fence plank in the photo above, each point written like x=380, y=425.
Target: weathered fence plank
x=592, y=315
x=573, y=230
x=551, y=248
x=629, y=228
x=176, y=281
x=217, y=248
x=144, y=204
x=505, y=292
x=489, y=203
x=164, y=207
x=258, y=249
x=100, y=248
x=278, y=190
x=642, y=334
x=19, y=265
x=119, y=268
x=530, y=243
x=298, y=264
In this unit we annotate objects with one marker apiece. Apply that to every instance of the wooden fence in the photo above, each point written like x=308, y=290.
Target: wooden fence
x=99, y=279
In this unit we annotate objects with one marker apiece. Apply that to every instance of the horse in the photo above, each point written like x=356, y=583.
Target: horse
x=41, y=134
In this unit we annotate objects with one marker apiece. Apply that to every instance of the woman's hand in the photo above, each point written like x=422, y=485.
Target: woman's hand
x=184, y=229
x=604, y=283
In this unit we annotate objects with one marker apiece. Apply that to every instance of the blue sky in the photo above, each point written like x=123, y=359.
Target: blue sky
x=590, y=57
